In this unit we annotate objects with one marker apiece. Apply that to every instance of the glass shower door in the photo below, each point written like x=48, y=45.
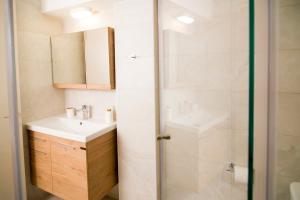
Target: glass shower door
x=204, y=98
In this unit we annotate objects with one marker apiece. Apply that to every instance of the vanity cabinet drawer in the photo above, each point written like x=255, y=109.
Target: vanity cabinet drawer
x=41, y=170
x=69, y=162
x=39, y=144
x=63, y=188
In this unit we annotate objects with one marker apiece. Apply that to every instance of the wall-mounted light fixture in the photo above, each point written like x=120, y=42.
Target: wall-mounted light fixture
x=80, y=13
x=185, y=19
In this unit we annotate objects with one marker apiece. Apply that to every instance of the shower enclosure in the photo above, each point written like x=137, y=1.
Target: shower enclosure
x=206, y=98
x=284, y=139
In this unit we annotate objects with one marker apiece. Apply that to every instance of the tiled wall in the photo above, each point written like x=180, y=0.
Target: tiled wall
x=38, y=98
x=288, y=95
x=99, y=100
x=135, y=99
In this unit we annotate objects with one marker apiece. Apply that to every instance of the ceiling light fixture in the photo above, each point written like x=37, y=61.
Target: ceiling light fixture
x=185, y=19
x=79, y=13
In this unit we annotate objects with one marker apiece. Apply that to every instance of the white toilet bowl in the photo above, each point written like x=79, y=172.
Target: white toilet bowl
x=295, y=190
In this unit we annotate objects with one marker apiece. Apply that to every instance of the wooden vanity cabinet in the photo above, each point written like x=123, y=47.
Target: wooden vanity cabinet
x=73, y=170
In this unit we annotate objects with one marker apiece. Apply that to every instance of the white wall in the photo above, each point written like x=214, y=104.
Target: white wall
x=58, y=4
x=104, y=18
x=99, y=100
x=136, y=99
x=34, y=57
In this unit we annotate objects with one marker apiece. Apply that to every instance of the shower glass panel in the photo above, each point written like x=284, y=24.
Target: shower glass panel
x=204, y=99
x=284, y=149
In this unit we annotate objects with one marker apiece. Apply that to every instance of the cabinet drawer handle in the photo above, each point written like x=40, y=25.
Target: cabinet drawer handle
x=83, y=148
x=65, y=147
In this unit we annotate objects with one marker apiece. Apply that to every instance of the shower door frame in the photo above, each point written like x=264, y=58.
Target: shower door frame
x=251, y=97
x=16, y=139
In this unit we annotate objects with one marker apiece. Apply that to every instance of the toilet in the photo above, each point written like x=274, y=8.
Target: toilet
x=295, y=190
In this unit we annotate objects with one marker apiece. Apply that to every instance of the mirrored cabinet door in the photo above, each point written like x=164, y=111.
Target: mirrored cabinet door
x=84, y=60
x=68, y=60
x=99, y=56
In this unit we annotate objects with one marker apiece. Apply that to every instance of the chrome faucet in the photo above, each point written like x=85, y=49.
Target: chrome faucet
x=86, y=112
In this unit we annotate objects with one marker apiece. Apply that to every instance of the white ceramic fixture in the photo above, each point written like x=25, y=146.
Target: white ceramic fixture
x=197, y=123
x=72, y=129
x=185, y=19
x=80, y=13
x=295, y=191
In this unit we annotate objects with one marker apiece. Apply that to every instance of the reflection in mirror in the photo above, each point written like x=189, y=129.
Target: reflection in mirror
x=68, y=61
x=99, y=55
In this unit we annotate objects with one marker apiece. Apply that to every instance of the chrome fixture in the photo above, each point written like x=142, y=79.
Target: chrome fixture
x=86, y=112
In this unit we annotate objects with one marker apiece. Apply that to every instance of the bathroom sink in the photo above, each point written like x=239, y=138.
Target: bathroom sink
x=71, y=128
x=197, y=123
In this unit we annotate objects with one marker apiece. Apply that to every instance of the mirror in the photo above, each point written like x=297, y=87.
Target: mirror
x=68, y=59
x=99, y=56
x=84, y=60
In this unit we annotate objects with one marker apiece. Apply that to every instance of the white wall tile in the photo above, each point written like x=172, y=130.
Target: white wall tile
x=35, y=66
x=289, y=28
x=288, y=153
x=135, y=99
x=288, y=114
x=138, y=33
x=133, y=12
x=288, y=71
x=98, y=100
x=289, y=2
x=135, y=74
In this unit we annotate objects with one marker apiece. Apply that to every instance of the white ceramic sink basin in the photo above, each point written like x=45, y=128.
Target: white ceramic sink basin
x=197, y=123
x=72, y=129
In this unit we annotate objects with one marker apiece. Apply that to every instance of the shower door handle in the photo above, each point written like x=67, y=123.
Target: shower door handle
x=163, y=137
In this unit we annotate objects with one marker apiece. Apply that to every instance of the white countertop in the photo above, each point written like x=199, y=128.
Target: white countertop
x=71, y=128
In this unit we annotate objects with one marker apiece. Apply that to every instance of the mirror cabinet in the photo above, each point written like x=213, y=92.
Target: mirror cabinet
x=84, y=60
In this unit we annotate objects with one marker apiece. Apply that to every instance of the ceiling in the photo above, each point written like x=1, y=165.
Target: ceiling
x=61, y=9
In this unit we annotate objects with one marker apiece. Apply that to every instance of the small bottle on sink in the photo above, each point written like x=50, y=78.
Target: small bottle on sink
x=70, y=112
x=109, y=117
